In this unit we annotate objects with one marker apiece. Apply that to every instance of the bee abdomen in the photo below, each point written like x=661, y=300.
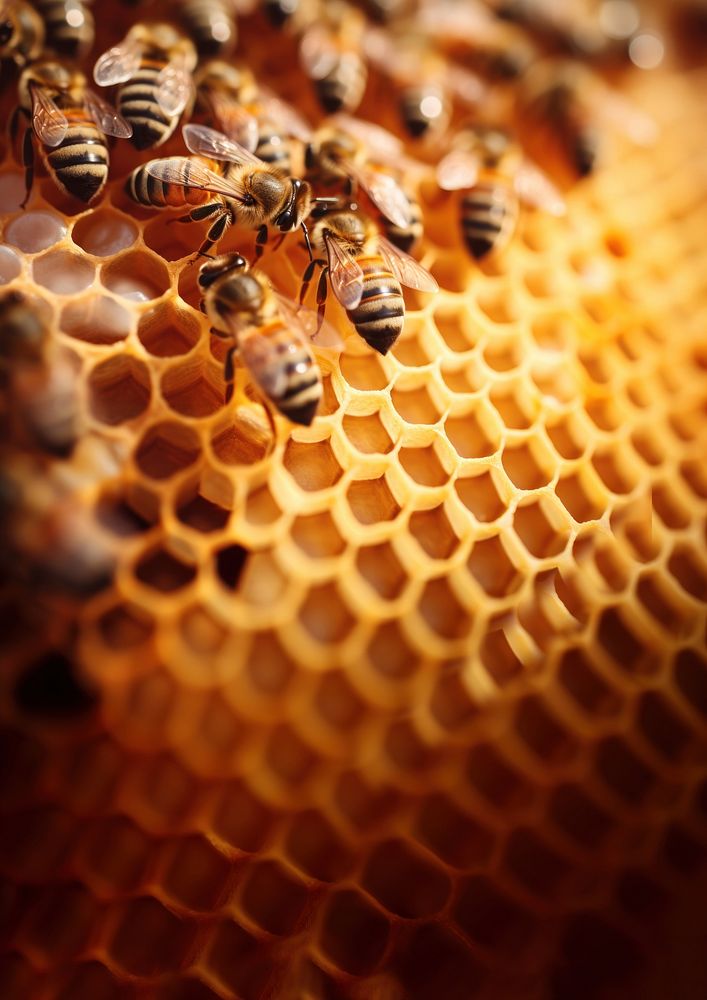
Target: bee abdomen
x=424, y=109
x=406, y=237
x=138, y=103
x=342, y=88
x=273, y=148
x=80, y=162
x=32, y=32
x=147, y=190
x=488, y=216
x=212, y=24
x=68, y=39
x=292, y=367
x=380, y=314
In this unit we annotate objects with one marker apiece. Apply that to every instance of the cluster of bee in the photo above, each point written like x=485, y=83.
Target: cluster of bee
x=462, y=74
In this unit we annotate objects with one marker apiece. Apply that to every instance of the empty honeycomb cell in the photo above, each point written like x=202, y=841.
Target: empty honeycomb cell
x=529, y=465
x=613, y=566
x=364, y=371
x=91, y=979
x=495, y=780
x=372, y=501
x=542, y=527
x=424, y=465
x=442, y=611
x=434, y=962
x=405, y=882
x=616, y=470
x=262, y=582
x=338, y=704
x=433, y=532
x=201, y=632
x=595, y=954
x=353, y=933
x=237, y=961
x=538, y=869
x=315, y=847
x=136, y=276
x=198, y=513
x=690, y=673
x=581, y=497
x=476, y=434
x=162, y=571
x=689, y=571
x=569, y=436
x=119, y=389
x=458, y=839
x=271, y=670
x=313, y=466
x=390, y=653
x=681, y=851
x=625, y=642
x=498, y=306
x=410, y=351
x=126, y=512
x=104, y=232
x=36, y=842
x=454, y=327
x=489, y=916
x=694, y=474
x=503, y=355
x=382, y=570
x=62, y=272
x=241, y=820
x=195, y=875
x=272, y=897
x=124, y=626
x=669, y=507
x=664, y=605
x=148, y=936
x=623, y=772
x=229, y=563
x=481, y=494
x=579, y=817
x=126, y=867
x=261, y=507
x=514, y=406
x=165, y=449
x=192, y=389
x=317, y=536
x=12, y=192
x=60, y=922
x=234, y=442
x=586, y=686
x=492, y=567
x=367, y=433
x=542, y=733
x=451, y=704
x=499, y=659
x=662, y=727
x=290, y=759
x=10, y=265
x=171, y=242
x=416, y=406
x=167, y=331
x=53, y=686
x=407, y=750
x=325, y=616
x=35, y=231
x=96, y=320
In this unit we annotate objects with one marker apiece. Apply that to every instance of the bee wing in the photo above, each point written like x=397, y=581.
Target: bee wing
x=317, y=52
x=290, y=120
x=385, y=193
x=535, y=188
x=237, y=123
x=215, y=145
x=106, y=117
x=345, y=274
x=320, y=331
x=457, y=170
x=191, y=174
x=49, y=123
x=406, y=269
x=174, y=85
x=264, y=364
x=381, y=144
x=616, y=112
x=117, y=64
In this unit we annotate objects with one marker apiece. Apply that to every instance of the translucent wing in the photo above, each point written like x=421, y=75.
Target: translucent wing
x=345, y=274
x=318, y=54
x=320, y=331
x=535, y=188
x=406, y=269
x=174, y=85
x=49, y=123
x=106, y=117
x=385, y=193
x=264, y=364
x=117, y=64
x=216, y=146
x=236, y=123
x=189, y=173
x=457, y=170
x=290, y=120
x=381, y=144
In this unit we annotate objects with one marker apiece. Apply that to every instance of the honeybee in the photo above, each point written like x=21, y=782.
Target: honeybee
x=21, y=32
x=270, y=335
x=576, y=27
x=330, y=53
x=70, y=121
x=291, y=14
x=246, y=189
x=341, y=153
x=212, y=24
x=365, y=271
x=488, y=166
x=563, y=112
x=69, y=26
x=248, y=113
x=41, y=397
x=154, y=62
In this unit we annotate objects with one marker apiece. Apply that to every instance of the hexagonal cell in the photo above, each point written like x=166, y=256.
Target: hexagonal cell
x=240, y=440
x=476, y=434
x=615, y=468
x=241, y=819
x=504, y=355
x=353, y=933
x=410, y=351
x=454, y=328
x=662, y=727
x=623, y=772
x=312, y=465
x=317, y=536
x=229, y=563
x=162, y=571
x=433, y=532
x=416, y=406
x=136, y=275
x=481, y=496
x=170, y=241
x=262, y=582
x=586, y=686
x=664, y=605
x=325, y=616
x=695, y=475
x=513, y=405
x=125, y=867
x=96, y=320
x=495, y=780
x=568, y=435
x=690, y=672
x=492, y=568
x=542, y=733
x=458, y=839
x=367, y=434
x=451, y=704
x=498, y=657
x=539, y=869
x=126, y=511
x=35, y=231
x=272, y=897
x=604, y=412
x=542, y=527
x=167, y=331
x=104, y=232
x=91, y=979
x=686, y=566
x=192, y=389
x=403, y=881
x=62, y=272
x=118, y=389
x=195, y=875
x=315, y=847
x=390, y=653
x=490, y=917
x=381, y=569
x=125, y=626
x=435, y=963
x=364, y=371
x=442, y=611
x=165, y=449
x=529, y=464
x=371, y=501
x=633, y=653
x=148, y=937
x=288, y=757
x=580, y=818
x=261, y=507
x=669, y=507
x=580, y=497
x=337, y=703
x=10, y=265
x=423, y=465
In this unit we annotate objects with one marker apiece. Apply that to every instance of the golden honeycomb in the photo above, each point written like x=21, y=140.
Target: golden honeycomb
x=413, y=704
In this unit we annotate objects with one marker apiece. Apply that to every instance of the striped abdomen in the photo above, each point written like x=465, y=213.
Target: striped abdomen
x=489, y=213
x=211, y=25
x=153, y=193
x=283, y=367
x=30, y=33
x=406, y=237
x=137, y=102
x=273, y=147
x=70, y=38
x=424, y=110
x=380, y=314
x=79, y=163
x=343, y=86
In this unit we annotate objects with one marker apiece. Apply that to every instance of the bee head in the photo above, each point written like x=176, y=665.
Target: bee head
x=227, y=263
x=296, y=207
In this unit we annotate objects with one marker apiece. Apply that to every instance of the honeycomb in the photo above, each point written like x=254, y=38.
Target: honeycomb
x=410, y=703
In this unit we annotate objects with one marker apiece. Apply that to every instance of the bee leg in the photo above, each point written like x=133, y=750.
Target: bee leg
x=215, y=233
x=307, y=276
x=322, y=289
x=199, y=213
x=229, y=374
x=28, y=164
x=260, y=240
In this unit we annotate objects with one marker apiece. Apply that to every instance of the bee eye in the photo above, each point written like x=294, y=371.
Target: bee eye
x=248, y=199
x=5, y=32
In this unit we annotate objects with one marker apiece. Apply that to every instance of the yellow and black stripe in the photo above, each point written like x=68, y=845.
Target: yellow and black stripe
x=71, y=38
x=79, y=164
x=138, y=104
x=489, y=212
x=147, y=190
x=380, y=314
x=406, y=238
x=302, y=385
x=211, y=25
x=343, y=86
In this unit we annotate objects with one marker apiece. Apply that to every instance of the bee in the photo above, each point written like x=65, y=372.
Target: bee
x=346, y=153
x=248, y=113
x=41, y=397
x=70, y=121
x=21, y=32
x=212, y=24
x=365, y=271
x=330, y=53
x=69, y=26
x=291, y=14
x=154, y=64
x=246, y=189
x=488, y=166
x=564, y=110
x=270, y=335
